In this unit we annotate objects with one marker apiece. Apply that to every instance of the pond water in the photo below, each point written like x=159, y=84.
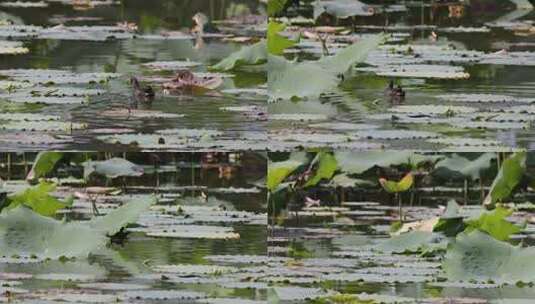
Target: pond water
x=79, y=46
x=222, y=214
x=466, y=70
x=330, y=239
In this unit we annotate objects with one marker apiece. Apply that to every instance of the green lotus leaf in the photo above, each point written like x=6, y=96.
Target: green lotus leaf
x=38, y=199
x=477, y=256
x=247, y=55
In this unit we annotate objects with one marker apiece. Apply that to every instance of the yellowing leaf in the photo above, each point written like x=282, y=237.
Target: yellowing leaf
x=395, y=187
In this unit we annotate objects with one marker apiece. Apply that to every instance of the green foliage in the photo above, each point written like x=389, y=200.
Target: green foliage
x=43, y=164
x=451, y=222
x=466, y=167
x=327, y=165
x=495, y=224
x=509, y=176
x=26, y=233
x=395, y=226
x=357, y=163
x=278, y=201
x=298, y=251
x=247, y=55
x=38, y=198
x=342, y=8
x=112, y=222
x=276, y=43
x=112, y=168
x=478, y=257
x=275, y=6
x=345, y=181
x=278, y=171
x=287, y=79
x=351, y=55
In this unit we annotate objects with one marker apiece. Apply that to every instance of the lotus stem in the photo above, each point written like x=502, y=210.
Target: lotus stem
x=8, y=166
x=398, y=198
x=465, y=191
x=94, y=208
x=482, y=191
x=25, y=164
x=157, y=178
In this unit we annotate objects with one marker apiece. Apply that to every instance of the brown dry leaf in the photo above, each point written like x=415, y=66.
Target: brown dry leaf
x=423, y=225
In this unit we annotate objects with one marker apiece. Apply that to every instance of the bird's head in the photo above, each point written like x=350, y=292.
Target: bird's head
x=200, y=19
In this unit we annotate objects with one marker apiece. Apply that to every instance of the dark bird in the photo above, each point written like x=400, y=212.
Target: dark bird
x=203, y=25
x=142, y=94
x=396, y=94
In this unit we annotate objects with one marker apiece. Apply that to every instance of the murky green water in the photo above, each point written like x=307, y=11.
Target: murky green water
x=336, y=244
x=179, y=178
x=360, y=99
x=125, y=56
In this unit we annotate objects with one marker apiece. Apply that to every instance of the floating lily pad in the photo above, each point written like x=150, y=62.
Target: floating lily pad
x=135, y=113
x=419, y=71
x=194, y=232
x=154, y=294
x=24, y=4
x=191, y=132
x=231, y=300
x=191, y=269
x=295, y=293
x=432, y=109
x=493, y=125
x=315, y=137
x=42, y=126
x=396, y=134
x=28, y=117
x=342, y=126
x=113, y=286
x=73, y=277
x=57, y=76
x=76, y=297
x=484, y=98
x=297, y=117
x=510, y=58
x=12, y=47
x=171, y=65
x=34, y=139
x=463, y=141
